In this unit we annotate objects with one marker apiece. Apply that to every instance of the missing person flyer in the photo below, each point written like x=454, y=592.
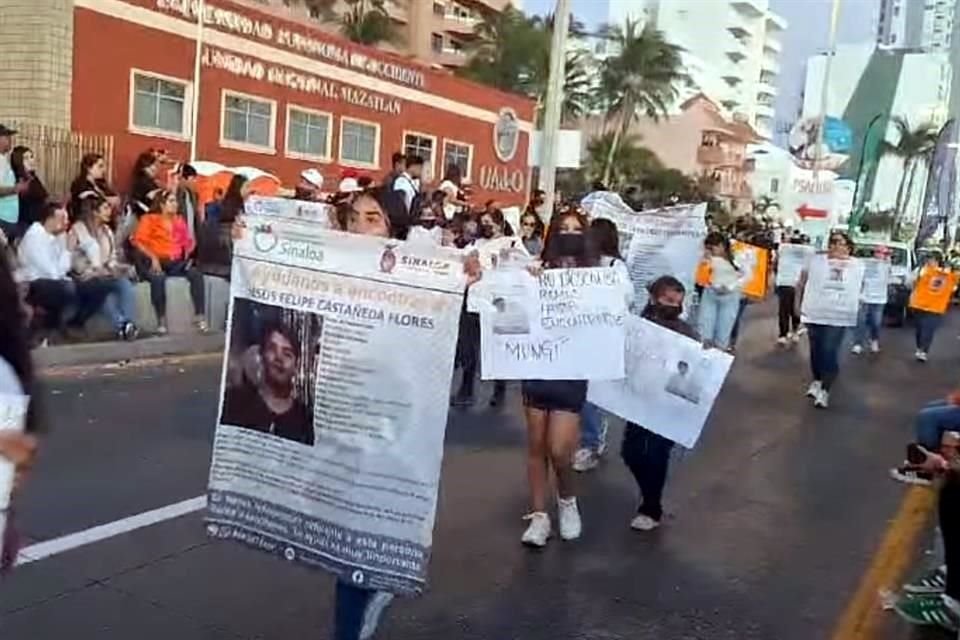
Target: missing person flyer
x=329, y=443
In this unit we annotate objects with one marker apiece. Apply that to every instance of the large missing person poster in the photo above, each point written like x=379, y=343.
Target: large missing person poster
x=654, y=243
x=670, y=385
x=791, y=260
x=567, y=324
x=876, y=280
x=334, y=401
x=831, y=295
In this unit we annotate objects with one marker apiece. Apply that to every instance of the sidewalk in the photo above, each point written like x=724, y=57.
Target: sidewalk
x=91, y=353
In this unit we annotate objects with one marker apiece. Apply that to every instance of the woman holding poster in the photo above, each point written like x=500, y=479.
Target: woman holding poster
x=829, y=303
x=933, y=285
x=553, y=407
x=873, y=298
x=720, y=303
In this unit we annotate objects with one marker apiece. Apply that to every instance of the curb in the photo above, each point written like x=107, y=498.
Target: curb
x=95, y=353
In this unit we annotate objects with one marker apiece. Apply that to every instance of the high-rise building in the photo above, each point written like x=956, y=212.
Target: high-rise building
x=433, y=31
x=925, y=25
x=731, y=50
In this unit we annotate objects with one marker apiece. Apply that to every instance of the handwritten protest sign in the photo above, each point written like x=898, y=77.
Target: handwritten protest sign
x=657, y=242
x=832, y=293
x=670, y=385
x=566, y=325
x=791, y=260
x=876, y=280
x=334, y=403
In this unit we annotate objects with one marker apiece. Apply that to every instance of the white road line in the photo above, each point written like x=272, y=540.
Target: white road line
x=48, y=548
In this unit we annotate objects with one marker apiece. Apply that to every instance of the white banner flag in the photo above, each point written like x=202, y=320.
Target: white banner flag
x=339, y=358
x=566, y=325
x=670, y=385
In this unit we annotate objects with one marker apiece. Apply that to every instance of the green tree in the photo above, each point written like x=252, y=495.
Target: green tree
x=511, y=52
x=914, y=146
x=632, y=162
x=643, y=78
x=367, y=22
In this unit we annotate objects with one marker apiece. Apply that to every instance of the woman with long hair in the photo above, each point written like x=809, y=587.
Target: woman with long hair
x=215, y=245
x=162, y=244
x=24, y=165
x=842, y=274
x=552, y=407
x=720, y=303
x=95, y=259
x=91, y=180
x=531, y=232
x=144, y=186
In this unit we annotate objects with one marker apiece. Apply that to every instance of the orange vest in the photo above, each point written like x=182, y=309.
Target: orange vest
x=933, y=290
x=704, y=273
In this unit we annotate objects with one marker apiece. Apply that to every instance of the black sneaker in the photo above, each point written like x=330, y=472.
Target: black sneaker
x=911, y=476
x=932, y=583
x=130, y=332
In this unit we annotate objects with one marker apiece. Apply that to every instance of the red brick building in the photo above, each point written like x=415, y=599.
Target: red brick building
x=282, y=96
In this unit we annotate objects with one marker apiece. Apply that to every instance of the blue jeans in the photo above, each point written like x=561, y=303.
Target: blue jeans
x=357, y=611
x=869, y=322
x=120, y=304
x=926, y=326
x=825, y=342
x=935, y=418
x=592, y=435
x=718, y=315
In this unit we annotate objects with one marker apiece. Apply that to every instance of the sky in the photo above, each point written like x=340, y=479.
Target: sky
x=807, y=34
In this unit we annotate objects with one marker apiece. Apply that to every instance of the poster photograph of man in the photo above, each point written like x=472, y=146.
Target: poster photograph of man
x=270, y=379
x=682, y=383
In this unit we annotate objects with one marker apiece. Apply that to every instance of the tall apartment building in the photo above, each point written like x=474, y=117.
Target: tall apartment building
x=732, y=50
x=432, y=31
x=925, y=25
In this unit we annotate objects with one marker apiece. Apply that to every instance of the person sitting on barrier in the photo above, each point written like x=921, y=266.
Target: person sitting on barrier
x=45, y=259
x=931, y=422
x=161, y=246
x=95, y=260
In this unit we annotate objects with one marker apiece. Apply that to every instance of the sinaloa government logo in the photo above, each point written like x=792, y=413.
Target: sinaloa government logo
x=264, y=240
x=506, y=134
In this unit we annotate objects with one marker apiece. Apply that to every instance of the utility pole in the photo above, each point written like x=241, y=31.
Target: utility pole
x=195, y=101
x=552, y=107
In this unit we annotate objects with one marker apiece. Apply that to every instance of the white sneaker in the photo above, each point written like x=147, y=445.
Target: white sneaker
x=802, y=330
x=874, y=346
x=921, y=356
x=795, y=336
x=856, y=350
x=161, y=329
x=569, y=515
x=783, y=341
x=814, y=389
x=539, y=530
x=585, y=460
x=822, y=400
x=644, y=523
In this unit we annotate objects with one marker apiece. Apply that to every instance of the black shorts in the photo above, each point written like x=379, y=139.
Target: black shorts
x=555, y=395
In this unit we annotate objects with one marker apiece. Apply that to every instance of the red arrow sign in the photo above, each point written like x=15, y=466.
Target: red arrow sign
x=805, y=212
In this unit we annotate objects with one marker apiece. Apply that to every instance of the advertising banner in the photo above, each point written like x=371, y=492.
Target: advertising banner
x=565, y=325
x=329, y=441
x=670, y=385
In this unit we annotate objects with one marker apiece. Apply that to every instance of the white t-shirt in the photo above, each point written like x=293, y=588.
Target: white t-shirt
x=43, y=256
x=409, y=186
x=449, y=209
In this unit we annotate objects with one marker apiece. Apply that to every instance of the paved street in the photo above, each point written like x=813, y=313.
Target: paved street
x=772, y=521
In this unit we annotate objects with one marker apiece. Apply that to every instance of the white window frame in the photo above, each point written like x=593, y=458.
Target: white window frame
x=468, y=175
x=376, y=146
x=271, y=148
x=436, y=150
x=184, y=135
x=299, y=155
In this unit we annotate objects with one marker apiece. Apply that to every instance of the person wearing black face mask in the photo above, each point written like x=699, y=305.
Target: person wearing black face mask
x=645, y=453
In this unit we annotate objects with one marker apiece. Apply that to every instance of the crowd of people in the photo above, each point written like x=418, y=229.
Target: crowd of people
x=69, y=260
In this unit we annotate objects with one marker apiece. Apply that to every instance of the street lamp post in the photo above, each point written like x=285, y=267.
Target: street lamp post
x=552, y=107
x=195, y=97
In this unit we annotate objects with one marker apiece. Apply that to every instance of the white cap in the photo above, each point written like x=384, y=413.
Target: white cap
x=313, y=176
x=349, y=185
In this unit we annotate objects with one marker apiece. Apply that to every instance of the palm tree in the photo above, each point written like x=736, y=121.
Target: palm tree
x=632, y=162
x=644, y=77
x=914, y=147
x=367, y=22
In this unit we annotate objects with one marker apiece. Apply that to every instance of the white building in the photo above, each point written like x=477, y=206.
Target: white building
x=925, y=25
x=732, y=50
